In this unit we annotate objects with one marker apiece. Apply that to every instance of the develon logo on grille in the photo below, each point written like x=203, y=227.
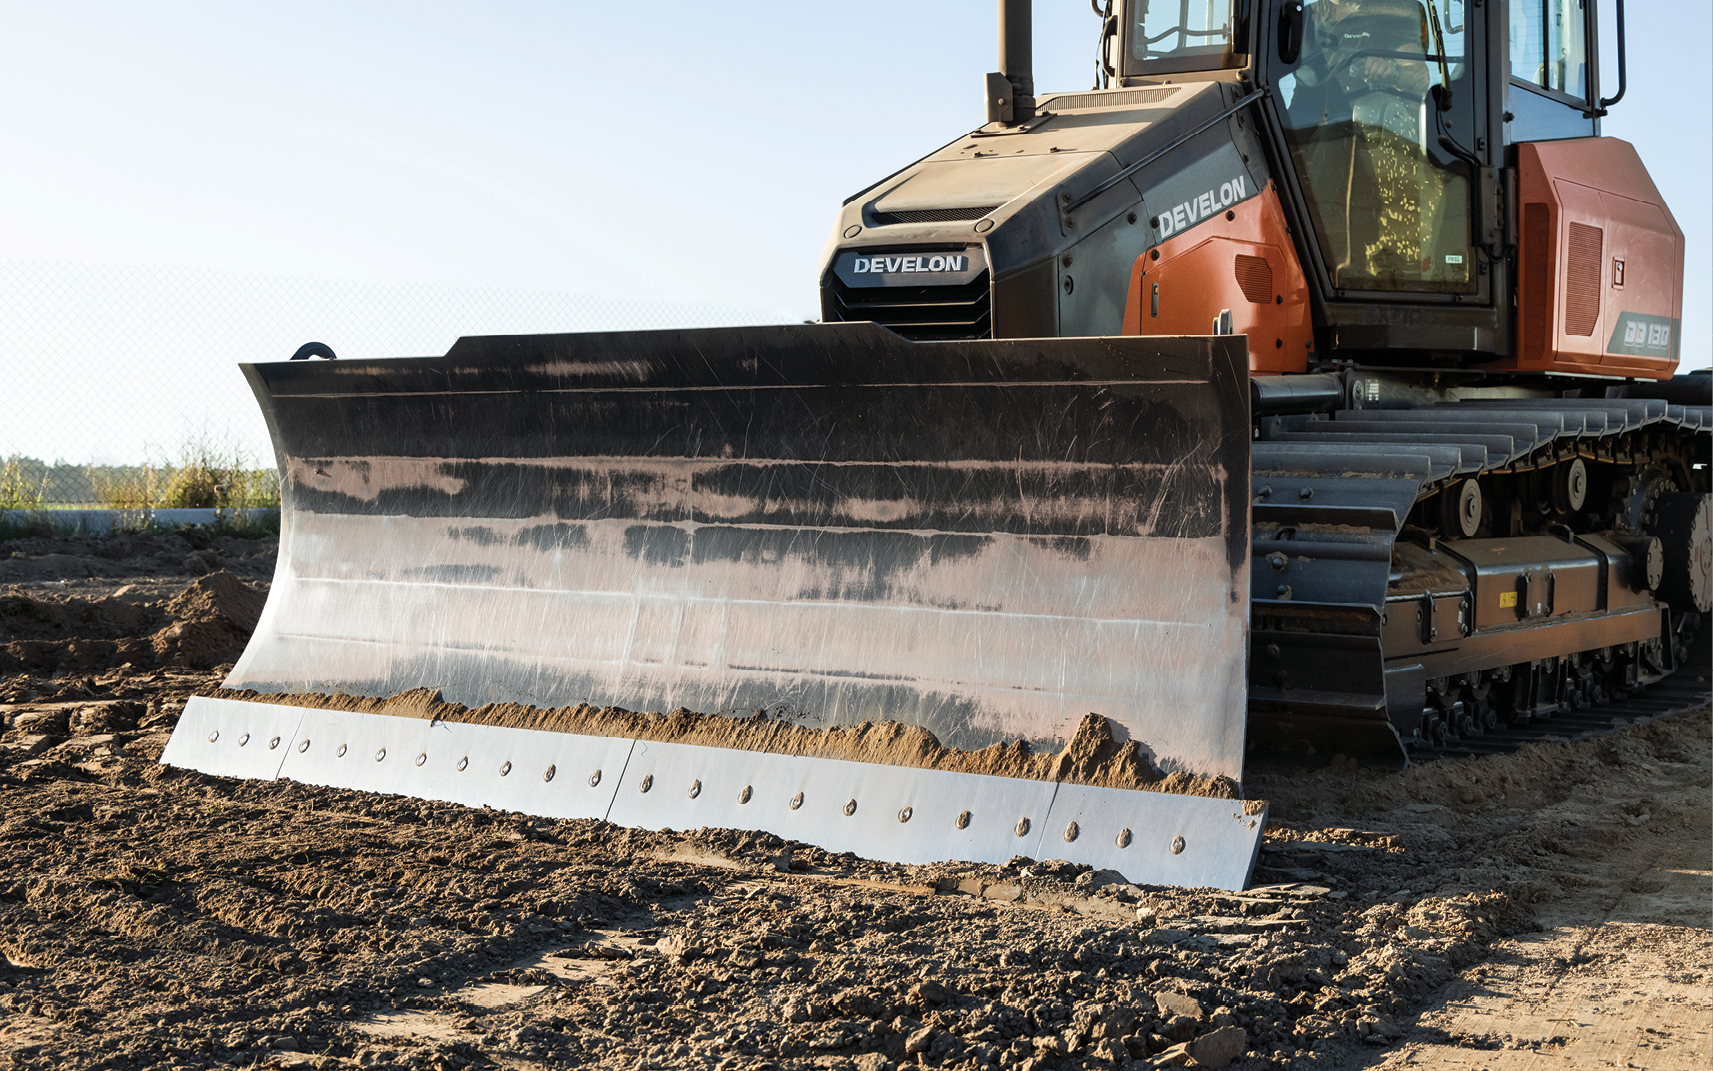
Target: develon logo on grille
x=882, y=265
x=933, y=294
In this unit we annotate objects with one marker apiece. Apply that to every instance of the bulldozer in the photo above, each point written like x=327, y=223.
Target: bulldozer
x=1308, y=382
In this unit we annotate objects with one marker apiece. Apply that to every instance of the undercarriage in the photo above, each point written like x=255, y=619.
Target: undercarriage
x=1470, y=574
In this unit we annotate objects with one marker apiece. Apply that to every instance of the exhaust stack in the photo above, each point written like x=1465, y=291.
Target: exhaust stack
x=1011, y=91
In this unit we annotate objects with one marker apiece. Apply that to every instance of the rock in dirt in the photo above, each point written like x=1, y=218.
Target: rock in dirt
x=1179, y=1028
x=1110, y=1051
x=51, y=722
x=111, y=716
x=29, y=744
x=1170, y=1004
x=920, y=1040
x=1118, y=1023
x=1219, y=1047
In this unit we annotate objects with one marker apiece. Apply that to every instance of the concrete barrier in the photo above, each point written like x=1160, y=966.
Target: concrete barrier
x=102, y=521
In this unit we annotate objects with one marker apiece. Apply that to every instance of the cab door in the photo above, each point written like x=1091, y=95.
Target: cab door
x=1377, y=109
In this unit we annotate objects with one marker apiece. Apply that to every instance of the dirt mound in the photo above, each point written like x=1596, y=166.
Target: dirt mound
x=25, y=617
x=205, y=625
x=44, y=633
x=219, y=596
x=1093, y=757
x=214, y=617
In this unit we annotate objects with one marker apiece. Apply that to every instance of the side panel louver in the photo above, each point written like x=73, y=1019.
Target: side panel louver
x=1582, y=280
x=1536, y=293
x=1255, y=278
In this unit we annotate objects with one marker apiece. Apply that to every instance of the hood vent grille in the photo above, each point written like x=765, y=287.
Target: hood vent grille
x=1130, y=99
x=932, y=215
x=919, y=313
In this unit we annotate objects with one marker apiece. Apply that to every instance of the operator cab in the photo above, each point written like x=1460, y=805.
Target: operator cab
x=1392, y=124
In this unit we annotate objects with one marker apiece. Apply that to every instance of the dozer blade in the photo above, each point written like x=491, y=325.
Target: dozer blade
x=988, y=540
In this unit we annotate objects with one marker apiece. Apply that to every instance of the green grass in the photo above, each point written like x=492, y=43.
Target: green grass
x=20, y=488
x=202, y=475
x=25, y=526
x=41, y=524
x=242, y=526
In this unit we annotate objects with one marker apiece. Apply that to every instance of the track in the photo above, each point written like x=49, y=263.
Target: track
x=1390, y=548
x=1690, y=688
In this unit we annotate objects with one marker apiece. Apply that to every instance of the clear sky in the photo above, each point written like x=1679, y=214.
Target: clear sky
x=671, y=153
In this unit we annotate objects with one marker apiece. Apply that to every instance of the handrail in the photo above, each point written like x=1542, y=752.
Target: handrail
x=1623, y=80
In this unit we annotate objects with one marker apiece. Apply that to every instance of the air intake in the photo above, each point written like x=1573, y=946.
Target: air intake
x=1255, y=277
x=1582, y=280
x=1110, y=99
x=932, y=215
x=919, y=313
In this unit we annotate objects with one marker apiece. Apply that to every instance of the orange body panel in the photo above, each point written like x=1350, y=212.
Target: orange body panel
x=1241, y=260
x=1599, y=263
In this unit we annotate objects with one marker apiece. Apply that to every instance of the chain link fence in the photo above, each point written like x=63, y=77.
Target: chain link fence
x=121, y=389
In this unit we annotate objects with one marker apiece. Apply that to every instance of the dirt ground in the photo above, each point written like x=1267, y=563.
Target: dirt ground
x=1545, y=909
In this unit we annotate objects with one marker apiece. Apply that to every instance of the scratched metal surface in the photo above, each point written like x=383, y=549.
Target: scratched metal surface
x=231, y=738
x=987, y=539
x=558, y=775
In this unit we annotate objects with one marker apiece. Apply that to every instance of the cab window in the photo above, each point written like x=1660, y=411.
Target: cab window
x=1166, y=36
x=1549, y=45
x=1362, y=115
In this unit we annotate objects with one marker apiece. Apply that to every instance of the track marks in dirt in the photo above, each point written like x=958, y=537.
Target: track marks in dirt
x=1620, y=976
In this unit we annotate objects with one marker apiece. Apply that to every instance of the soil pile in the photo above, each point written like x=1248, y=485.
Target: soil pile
x=206, y=624
x=212, y=621
x=26, y=618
